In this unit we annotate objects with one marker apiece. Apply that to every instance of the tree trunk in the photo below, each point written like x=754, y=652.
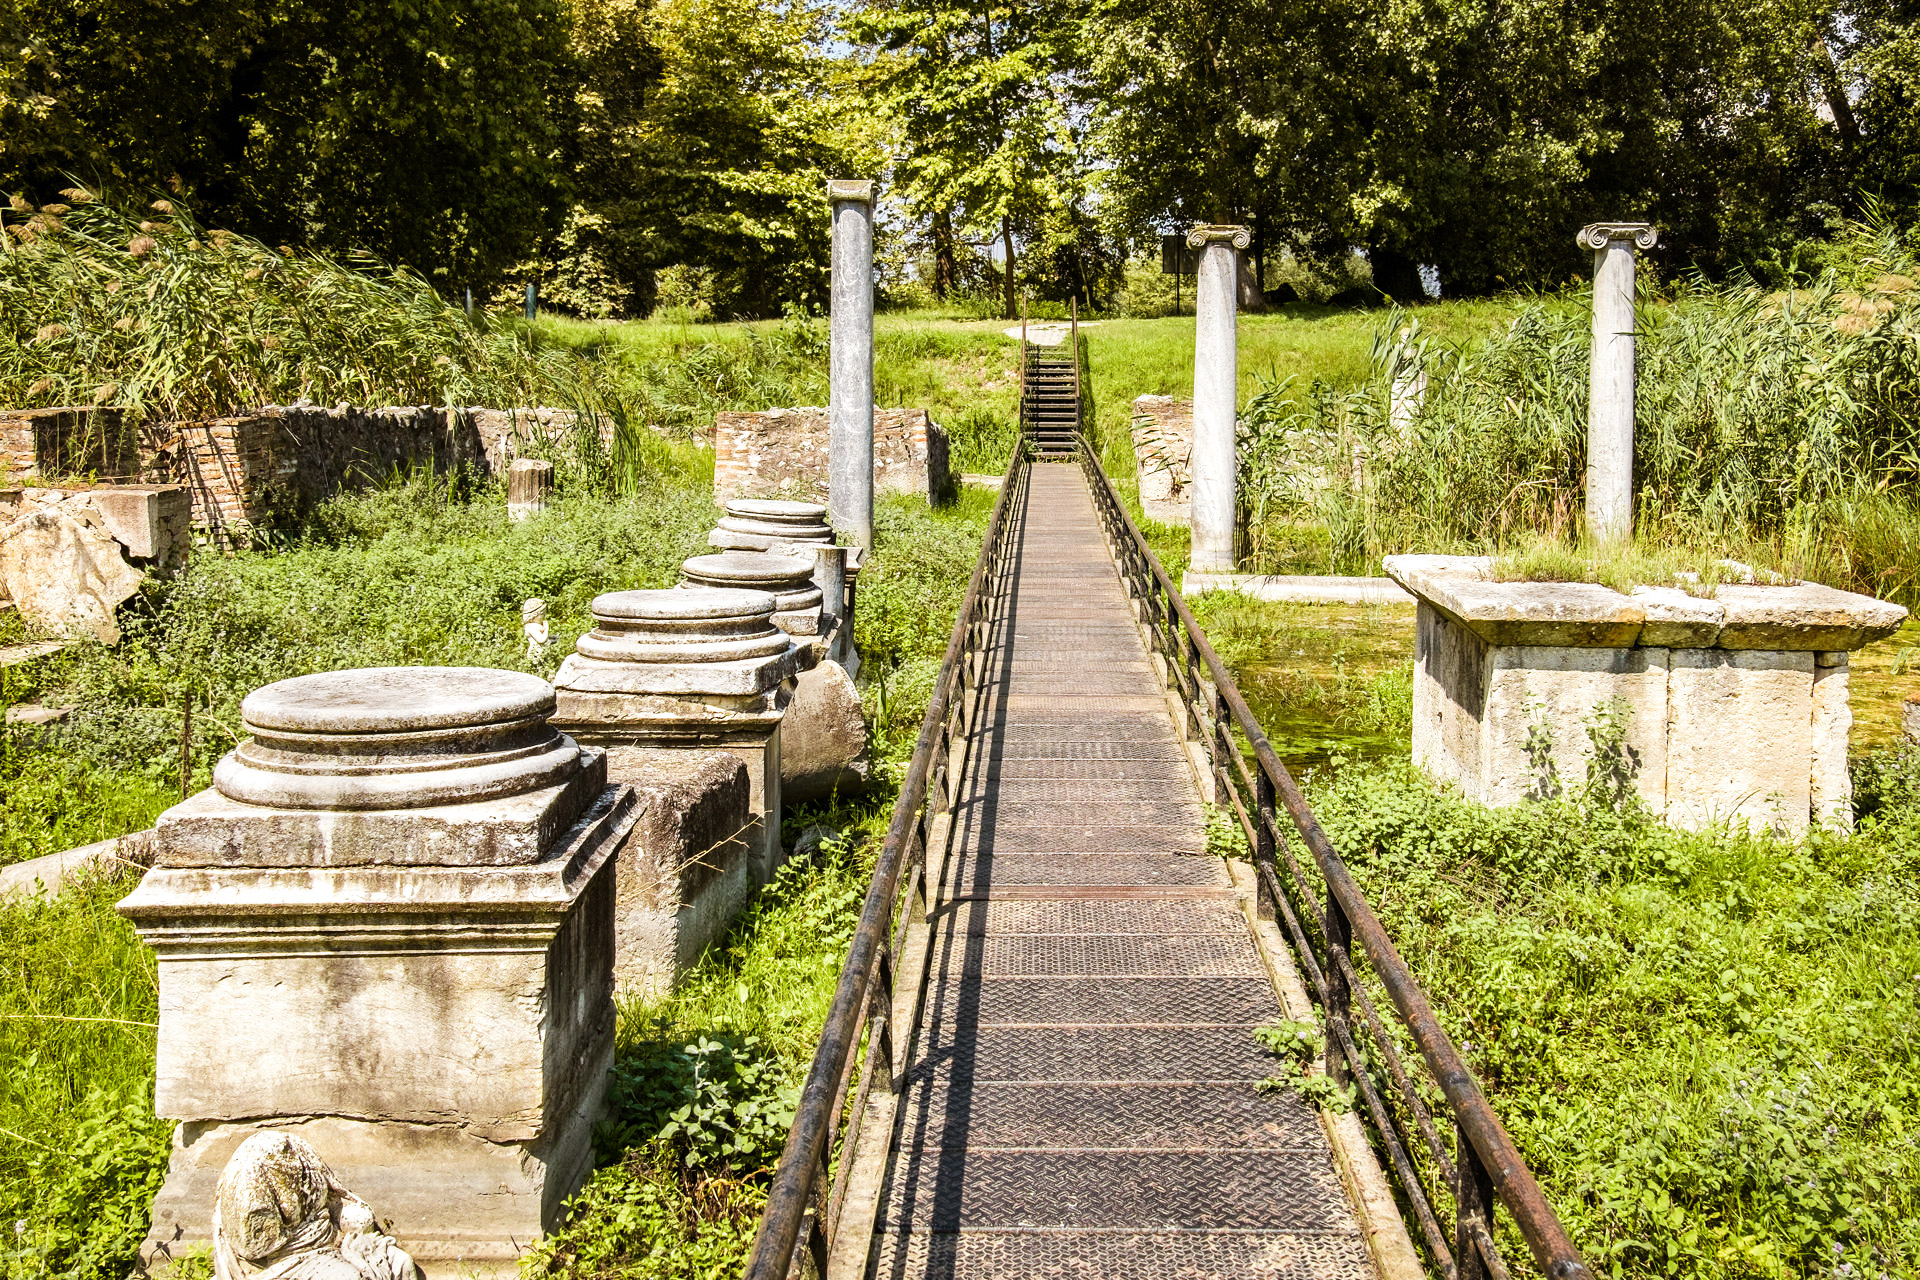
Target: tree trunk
x=1006, y=238
x=943, y=265
x=1835, y=92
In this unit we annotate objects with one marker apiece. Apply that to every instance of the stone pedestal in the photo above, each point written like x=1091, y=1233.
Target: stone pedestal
x=823, y=736
x=1610, y=404
x=788, y=579
x=388, y=928
x=759, y=524
x=689, y=669
x=1214, y=502
x=801, y=529
x=850, y=360
x=1736, y=706
x=1910, y=718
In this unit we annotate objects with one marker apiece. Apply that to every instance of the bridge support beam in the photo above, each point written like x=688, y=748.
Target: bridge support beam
x=1610, y=402
x=850, y=438
x=1216, y=367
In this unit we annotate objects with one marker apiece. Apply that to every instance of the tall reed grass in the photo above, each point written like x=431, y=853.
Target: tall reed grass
x=1777, y=426
x=152, y=313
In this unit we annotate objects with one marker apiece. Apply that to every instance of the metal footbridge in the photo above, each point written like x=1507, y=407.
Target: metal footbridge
x=1040, y=1060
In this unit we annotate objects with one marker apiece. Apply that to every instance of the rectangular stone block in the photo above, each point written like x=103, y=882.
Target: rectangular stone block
x=782, y=453
x=1449, y=699
x=1737, y=751
x=1832, y=784
x=202, y=831
x=150, y=521
x=1162, y=448
x=686, y=870
x=1559, y=691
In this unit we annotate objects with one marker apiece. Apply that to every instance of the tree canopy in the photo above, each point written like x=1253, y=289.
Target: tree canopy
x=592, y=145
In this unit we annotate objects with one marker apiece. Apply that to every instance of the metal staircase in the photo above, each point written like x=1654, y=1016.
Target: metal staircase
x=1050, y=393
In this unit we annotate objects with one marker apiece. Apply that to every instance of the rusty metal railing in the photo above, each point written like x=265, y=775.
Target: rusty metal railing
x=805, y=1203
x=1323, y=921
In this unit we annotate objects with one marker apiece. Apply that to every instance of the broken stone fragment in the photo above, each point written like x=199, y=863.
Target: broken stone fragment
x=823, y=741
x=65, y=573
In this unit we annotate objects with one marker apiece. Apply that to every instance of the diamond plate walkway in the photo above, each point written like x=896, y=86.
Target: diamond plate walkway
x=1082, y=1102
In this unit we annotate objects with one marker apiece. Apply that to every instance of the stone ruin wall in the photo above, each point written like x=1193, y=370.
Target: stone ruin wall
x=782, y=453
x=244, y=471
x=1162, y=431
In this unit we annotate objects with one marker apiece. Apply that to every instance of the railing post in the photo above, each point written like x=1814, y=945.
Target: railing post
x=1473, y=1214
x=1264, y=863
x=1339, y=994
x=1222, y=748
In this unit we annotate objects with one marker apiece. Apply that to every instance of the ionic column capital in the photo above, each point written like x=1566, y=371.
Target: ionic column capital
x=841, y=190
x=1203, y=234
x=1596, y=235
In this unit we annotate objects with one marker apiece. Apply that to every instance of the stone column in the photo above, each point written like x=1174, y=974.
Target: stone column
x=850, y=447
x=388, y=928
x=529, y=484
x=1214, y=504
x=690, y=669
x=830, y=574
x=1610, y=407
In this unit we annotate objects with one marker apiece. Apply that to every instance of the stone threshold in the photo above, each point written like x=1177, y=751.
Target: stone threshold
x=1298, y=588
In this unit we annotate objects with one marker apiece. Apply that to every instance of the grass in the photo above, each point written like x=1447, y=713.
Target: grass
x=1776, y=429
x=1703, y=1043
x=148, y=311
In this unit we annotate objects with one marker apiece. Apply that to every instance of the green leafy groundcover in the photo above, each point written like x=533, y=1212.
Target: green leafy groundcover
x=1705, y=1044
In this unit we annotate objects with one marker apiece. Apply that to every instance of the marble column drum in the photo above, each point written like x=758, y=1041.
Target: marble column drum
x=823, y=737
x=696, y=669
x=387, y=927
x=788, y=579
x=759, y=524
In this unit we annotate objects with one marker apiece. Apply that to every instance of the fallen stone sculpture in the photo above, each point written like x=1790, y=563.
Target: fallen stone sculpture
x=280, y=1214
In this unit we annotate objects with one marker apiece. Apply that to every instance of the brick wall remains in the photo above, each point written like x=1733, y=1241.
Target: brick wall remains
x=42, y=445
x=782, y=453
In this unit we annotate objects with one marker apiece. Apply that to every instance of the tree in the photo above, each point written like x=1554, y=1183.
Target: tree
x=424, y=131
x=979, y=94
x=708, y=131
x=1242, y=111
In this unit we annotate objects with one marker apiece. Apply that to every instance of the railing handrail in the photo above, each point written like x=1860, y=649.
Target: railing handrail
x=801, y=1170
x=1511, y=1180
